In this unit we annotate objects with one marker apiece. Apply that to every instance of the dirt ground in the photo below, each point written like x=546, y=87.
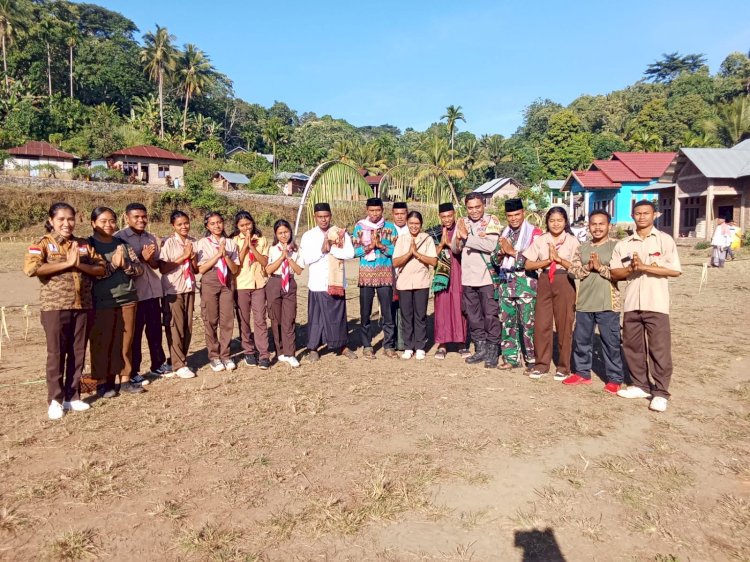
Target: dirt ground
x=385, y=460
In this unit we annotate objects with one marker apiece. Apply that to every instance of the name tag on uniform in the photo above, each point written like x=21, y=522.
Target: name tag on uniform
x=83, y=249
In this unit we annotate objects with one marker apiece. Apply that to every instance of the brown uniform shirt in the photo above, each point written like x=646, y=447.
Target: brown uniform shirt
x=69, y=289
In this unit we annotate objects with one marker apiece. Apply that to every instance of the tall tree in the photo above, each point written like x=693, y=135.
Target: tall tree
x=71, y=40
x=158, y=57
x=196, y=74
x=453, y=113
x=734, y=124
x=13, y=16
x=672, y=64
x=274, y=132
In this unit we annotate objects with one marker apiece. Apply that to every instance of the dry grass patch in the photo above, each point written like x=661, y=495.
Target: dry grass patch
x=572, y=474
x=212, y=542
x=11, y=521
x=172, y=510
x=94, y=480
x=76, y=545
x=735, y=511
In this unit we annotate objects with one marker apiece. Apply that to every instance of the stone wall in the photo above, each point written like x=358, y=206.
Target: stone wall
x=56, y=184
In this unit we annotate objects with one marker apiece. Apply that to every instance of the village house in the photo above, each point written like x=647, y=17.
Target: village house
x=703, y=184
x=229, y=181
x=497, y=189
x=293, y=182
x=555, y=196
x=615, y=185
x=39, y=158
x=150, y=165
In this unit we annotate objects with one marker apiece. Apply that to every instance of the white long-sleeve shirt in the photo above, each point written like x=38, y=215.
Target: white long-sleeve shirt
x=317, y=262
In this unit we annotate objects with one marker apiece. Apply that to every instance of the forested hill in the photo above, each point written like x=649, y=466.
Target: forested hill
x=87, y=80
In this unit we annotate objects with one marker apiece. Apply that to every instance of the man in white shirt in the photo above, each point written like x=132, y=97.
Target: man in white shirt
x=324, y=249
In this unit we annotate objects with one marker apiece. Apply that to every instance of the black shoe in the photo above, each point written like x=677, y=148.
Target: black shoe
x=264, y=364
x=313, y=356
x=131, y=388
x=251, y=360
x=491, y=356
x=479, y=353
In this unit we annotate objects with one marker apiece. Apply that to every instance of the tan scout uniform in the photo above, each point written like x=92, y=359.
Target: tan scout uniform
x=251, y=298
x=66, y=300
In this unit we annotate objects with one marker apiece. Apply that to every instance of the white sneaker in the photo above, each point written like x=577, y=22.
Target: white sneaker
x=111, y=393
x=185, y=373
x=229, y=365
x=282, y=359
x=292, y=361
x=55, y=410
x=408, y=354
x=632, y=392
x=658, y=404
x=216, y=365
x=76, y=406
x=559, y=376
x=536, y=374
x=420, y=354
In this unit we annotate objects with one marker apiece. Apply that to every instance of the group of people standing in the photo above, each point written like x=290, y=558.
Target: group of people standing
x=507, y=288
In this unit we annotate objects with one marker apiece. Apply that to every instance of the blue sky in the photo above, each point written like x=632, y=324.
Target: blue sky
x=402, y=62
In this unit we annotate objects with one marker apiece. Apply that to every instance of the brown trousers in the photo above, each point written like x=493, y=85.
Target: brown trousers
x=66, y=352
x=282, y=308
x=554, y=301
x=647, y=335
x=253, y=301
x=111, y=342
x=217, y=310
x=178, y=316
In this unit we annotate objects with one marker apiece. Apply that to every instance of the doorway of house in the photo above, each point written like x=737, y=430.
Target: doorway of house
x=726, y=212
x=144, y=173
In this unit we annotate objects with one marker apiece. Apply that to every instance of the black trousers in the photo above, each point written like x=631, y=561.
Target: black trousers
x=148, y=319
x=647, y=346
x=414, y=312
x=482, y=313
x=385, y=298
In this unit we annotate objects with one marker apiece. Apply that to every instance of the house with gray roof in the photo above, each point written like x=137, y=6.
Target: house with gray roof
x=229, y=181
x=703, y=184
x=498, y=188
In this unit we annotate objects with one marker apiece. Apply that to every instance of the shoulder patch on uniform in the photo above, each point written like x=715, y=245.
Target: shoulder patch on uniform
x=36, y=250
x=52, y=247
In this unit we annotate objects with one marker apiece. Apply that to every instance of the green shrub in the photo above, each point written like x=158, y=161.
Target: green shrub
x=81, y=173
x=263, y=182
x=703, y=245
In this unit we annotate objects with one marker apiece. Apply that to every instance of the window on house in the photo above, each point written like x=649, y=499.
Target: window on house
x=605, y=205
x=129, y=168
x=163, y=171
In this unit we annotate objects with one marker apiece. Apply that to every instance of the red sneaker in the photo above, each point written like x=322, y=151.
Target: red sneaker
x=612, y=387
x=576, y=379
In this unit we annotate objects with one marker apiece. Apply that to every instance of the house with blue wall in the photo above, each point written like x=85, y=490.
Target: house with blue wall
x=615, y=184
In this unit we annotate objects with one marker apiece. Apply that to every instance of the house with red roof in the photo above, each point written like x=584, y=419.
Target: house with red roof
x=150, y=165
x=614, y=185
x=36, y=158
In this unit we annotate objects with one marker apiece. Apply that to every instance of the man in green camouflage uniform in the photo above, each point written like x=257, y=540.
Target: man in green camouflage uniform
x=518, y=295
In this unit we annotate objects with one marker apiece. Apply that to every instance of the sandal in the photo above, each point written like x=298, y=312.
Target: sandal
x=441, y=352
x=507, y=366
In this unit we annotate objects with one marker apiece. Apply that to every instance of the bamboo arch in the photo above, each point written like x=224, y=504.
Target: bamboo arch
x=343, y=187
x=424, y=185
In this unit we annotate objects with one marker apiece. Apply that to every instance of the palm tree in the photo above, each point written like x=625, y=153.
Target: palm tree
x=495, y=149
x=341, y=150
x=273, y=133
x=641, y=139
x=473, y=157
x=158, y=57
x=13, y=16
x=453, y=113
x=196, y=74
x=365, y=156
x=435, y=152
x=734, y=121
